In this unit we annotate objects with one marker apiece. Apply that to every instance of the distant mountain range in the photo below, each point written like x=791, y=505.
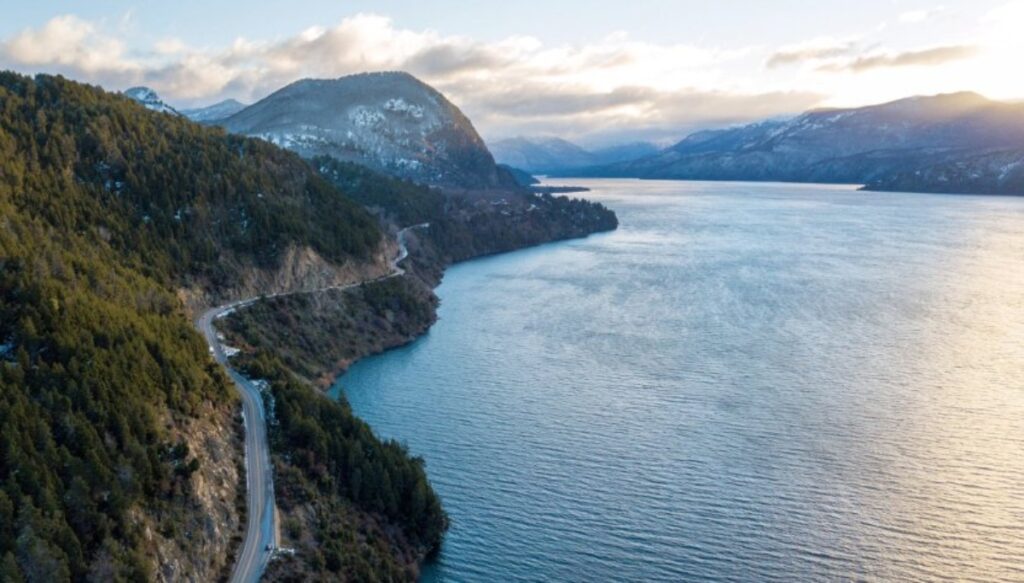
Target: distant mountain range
x=960, y=142
x=554, y=155
x=212, y=114
x=391, y=122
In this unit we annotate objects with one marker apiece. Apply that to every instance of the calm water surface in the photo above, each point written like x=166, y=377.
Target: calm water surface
x=744, y=382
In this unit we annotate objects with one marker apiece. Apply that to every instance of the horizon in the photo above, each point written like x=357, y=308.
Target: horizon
x=660, y=143
x=608, y=77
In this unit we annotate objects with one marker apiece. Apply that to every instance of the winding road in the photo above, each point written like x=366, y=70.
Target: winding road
x=261, y=529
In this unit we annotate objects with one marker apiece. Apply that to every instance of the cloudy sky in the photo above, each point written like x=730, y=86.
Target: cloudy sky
x=594, y=71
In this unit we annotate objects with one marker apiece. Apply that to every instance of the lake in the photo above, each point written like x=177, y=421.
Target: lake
x=744, y=382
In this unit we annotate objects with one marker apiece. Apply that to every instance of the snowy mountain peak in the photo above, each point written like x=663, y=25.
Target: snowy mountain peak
x=149, y=99
x=389, y=121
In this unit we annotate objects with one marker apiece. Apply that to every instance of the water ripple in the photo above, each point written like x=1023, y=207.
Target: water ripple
x=745, y=382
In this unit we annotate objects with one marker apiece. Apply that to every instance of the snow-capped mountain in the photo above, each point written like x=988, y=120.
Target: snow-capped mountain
x=150, y=99
x=213, y=114
x=389, y=121
x=944, y=143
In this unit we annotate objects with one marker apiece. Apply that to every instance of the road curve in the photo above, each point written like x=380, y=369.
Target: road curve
x=261, y=528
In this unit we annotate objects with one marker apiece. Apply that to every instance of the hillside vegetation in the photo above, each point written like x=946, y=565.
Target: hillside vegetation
x=105, y=209
x=318, y=334
x=356, y=508
x=463, y=227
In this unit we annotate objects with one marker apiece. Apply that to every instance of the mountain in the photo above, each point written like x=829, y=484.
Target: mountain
x=213, y=114
x=389, y=121
x=150, y=99
x=541, y=155
x=914, y=143
x=960, y=120
x=209, y=114
x=121, y=457
x=624, y=152
x=551, y=155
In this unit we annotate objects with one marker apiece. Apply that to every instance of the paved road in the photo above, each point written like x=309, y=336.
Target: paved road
x=261, y=529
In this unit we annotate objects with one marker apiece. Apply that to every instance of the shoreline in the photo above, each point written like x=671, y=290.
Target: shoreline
x=314, y=337
x=337, y=375
x=262, y=538
x=326, y=382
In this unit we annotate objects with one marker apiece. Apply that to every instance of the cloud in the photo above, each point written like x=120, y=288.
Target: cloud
x=623, y=114
x=917, y=58
x=919, y=16
x=170, y=46
x=518, y=85
x=449, y=59
x=68, y=44
x=811, y=51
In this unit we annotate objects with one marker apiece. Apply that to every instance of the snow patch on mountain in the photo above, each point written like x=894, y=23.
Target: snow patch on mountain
x=365, y=117
x=389, y=121
x=400, y=105
x=149, y=98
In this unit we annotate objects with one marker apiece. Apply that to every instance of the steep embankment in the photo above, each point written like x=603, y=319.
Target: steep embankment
x=421, y=520
x=319, y=335
x=119, y=434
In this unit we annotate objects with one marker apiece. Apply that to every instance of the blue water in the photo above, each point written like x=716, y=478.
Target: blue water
x=745, y=382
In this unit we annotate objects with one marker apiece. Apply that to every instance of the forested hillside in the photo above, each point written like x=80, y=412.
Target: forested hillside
x=105, y=210
x=462, y=227
x=317, y=336
x=356, y=508
x=171, y=196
